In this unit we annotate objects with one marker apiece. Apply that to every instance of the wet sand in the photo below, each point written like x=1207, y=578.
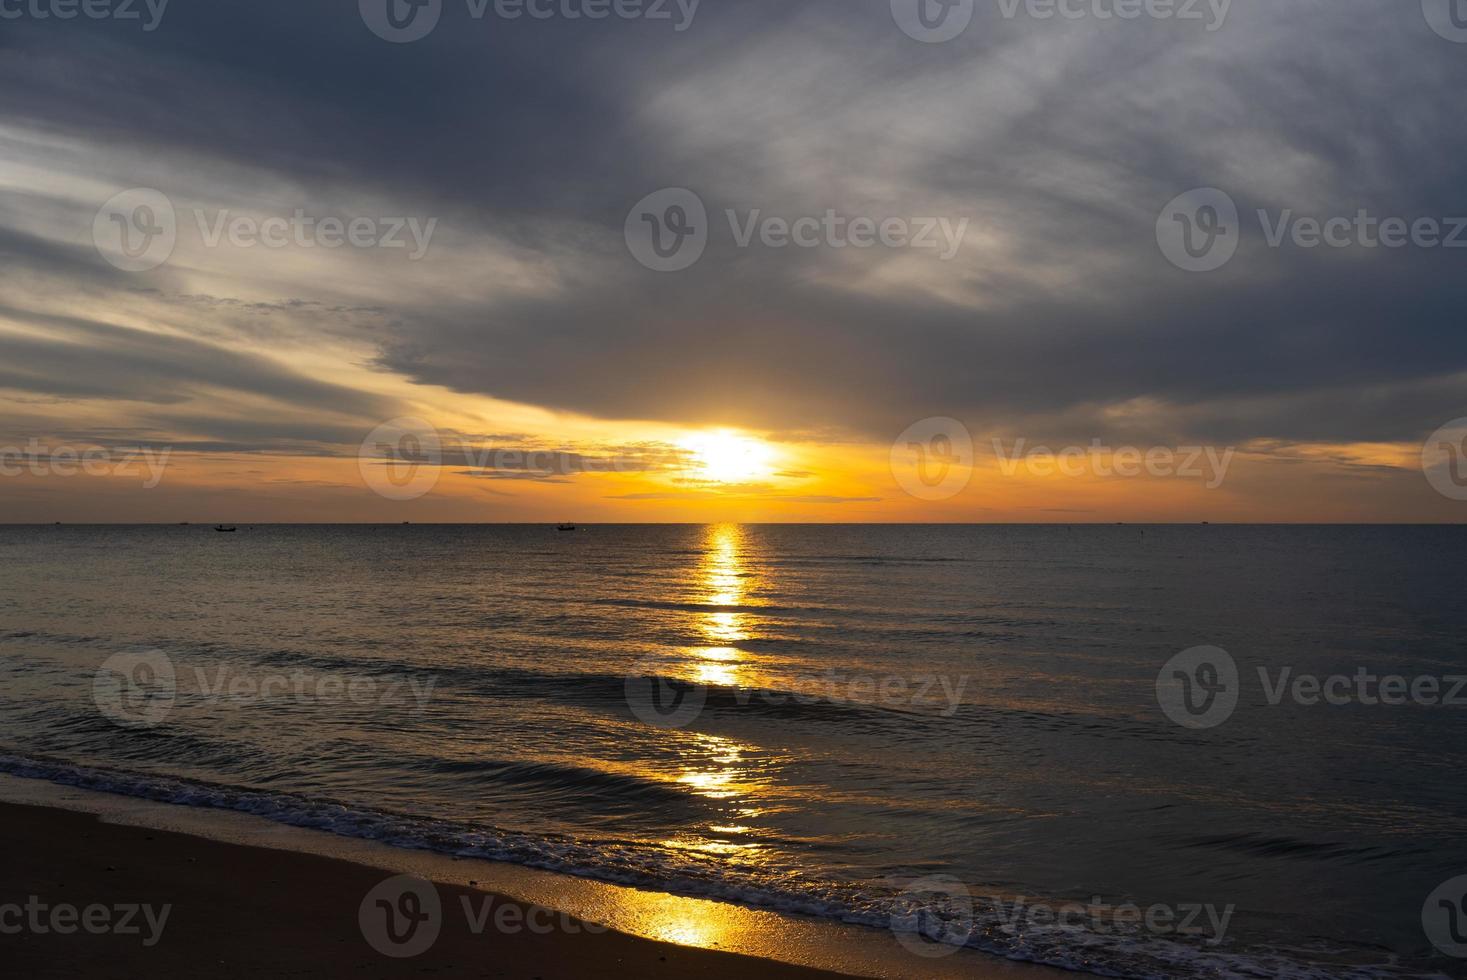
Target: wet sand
x=246, y=897
x=236, y=911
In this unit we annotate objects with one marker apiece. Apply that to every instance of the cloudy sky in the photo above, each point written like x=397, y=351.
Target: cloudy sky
x=511, y=260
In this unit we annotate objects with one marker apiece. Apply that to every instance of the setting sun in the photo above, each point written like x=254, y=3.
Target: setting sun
x=727, y=457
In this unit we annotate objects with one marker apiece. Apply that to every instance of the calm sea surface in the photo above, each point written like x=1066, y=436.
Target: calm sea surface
x=950, y=728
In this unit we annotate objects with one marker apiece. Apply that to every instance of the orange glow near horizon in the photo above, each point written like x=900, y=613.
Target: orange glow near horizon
x=636, y=472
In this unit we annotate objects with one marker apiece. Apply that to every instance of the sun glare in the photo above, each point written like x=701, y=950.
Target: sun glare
x=727, y=457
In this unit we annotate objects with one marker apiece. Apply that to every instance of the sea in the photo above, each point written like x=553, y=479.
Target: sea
x=1138, y=751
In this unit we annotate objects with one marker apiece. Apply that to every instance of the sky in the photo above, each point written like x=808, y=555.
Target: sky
x=766, y=260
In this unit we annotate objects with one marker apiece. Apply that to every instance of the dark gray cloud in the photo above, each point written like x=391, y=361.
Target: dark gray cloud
x=1058, y=141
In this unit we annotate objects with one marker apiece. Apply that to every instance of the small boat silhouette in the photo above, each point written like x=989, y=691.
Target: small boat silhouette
x=227, y=530
x=565, y=527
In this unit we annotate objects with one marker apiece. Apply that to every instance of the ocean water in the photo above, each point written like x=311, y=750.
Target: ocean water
x=946, y=730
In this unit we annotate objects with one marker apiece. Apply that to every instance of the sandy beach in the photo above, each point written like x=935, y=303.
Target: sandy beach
x=186, y=888
x=236, y=911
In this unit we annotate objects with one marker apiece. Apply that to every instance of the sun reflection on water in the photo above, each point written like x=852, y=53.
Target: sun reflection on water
x=723, y=580
x=733, y=776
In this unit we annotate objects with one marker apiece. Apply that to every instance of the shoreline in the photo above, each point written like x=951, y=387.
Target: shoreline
x=248, y=894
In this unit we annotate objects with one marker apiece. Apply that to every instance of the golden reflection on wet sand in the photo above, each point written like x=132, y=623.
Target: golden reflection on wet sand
x=687, y=921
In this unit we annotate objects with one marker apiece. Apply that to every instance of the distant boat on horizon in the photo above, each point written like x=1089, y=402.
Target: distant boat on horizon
x=226, y=530
x=565, y=527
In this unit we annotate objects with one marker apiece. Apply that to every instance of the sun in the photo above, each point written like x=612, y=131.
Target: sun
x=728, y=457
